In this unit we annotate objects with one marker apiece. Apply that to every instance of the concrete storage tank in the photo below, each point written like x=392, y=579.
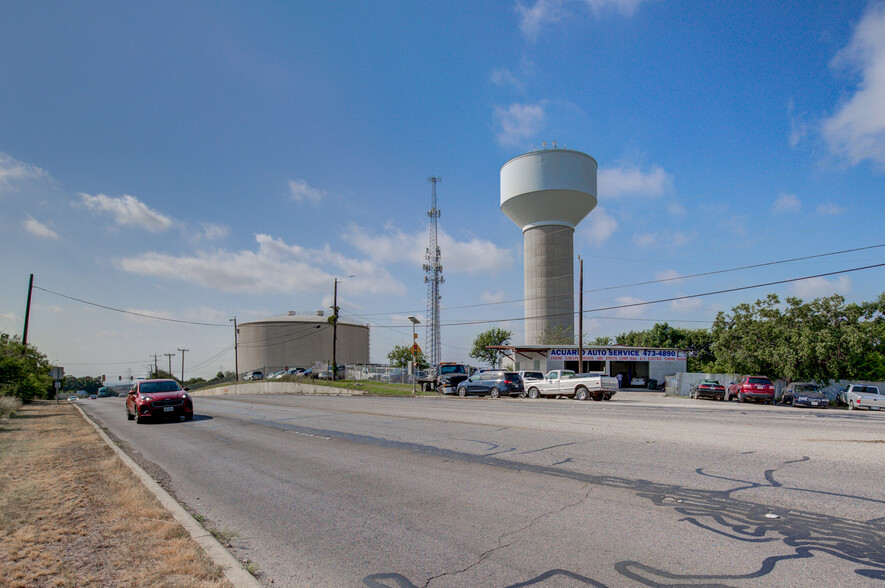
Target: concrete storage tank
x=547, y=193
x=299, y=340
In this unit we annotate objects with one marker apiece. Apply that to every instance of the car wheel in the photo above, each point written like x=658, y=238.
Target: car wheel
x=494, y=393
x=462, y=391
x=138, y=418
x=607, y=397
x=741, y=398
x=533, y=393
x=851, y=405
x=581, y=394
x=129, y=415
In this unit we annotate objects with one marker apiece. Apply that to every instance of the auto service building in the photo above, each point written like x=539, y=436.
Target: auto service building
x=654, y=363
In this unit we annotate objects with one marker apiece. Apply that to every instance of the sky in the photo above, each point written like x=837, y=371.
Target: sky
x=202, y=161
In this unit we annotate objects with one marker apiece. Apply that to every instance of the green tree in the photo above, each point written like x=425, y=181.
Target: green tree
x=24, y=371
x=600, y=341
x=698, y=343
x=556, y=335
x=401, y=355
x=822, y=340
x=494, y=336
x=87, y=383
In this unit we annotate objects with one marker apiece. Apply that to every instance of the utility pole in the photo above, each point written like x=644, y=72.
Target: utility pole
x=28, y=310
x=156, y=369
x=170, y=356
x=182, y=363
x=581, y=317
x=236, y=357
x=335, y=330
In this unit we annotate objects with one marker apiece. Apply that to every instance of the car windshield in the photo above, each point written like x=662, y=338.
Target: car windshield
x=511, y=377
x=452, y=369
x=535, y=375
x=807, y=388
x=760, y=381
x=155, y=387
x=710, y=382
x=567, y=374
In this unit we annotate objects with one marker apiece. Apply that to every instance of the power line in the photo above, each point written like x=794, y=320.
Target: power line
x=674, y=298
x=659, y=281
x=139, y=314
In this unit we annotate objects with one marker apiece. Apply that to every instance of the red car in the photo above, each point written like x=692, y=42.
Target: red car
x=158, y=399
x=758, y=388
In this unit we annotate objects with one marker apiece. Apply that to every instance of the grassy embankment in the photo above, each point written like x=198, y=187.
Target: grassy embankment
x=72, y=514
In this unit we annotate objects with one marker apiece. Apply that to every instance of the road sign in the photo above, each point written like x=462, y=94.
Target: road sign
x=415, y=349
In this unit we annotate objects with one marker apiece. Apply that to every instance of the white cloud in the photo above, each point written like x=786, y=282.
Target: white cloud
x=300, y=191
x=493, y=297
x=799, y=128
x=392, y=245
x=13, y=171
x=686, y=305
x=504, y=78
x=859, y=124
x=128, y=210
x=829, y=209
x=38, y=229
x=786, y=203
x=518, y=122
x=631, y=181
x=598, y=227
x=275, y=267
x=631, y=311
x=677, y=209
x=532, y=18
x=818, y=287
x=671, y=275
x=211, y=232
x=663, y=238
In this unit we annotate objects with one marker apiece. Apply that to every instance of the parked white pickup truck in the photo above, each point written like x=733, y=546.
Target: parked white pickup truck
x=567, y=383
x=860, y=396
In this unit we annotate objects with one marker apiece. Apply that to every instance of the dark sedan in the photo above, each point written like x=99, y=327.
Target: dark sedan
x=158, y=399
x=492, y=383
x=805, y=394
x=707, y=388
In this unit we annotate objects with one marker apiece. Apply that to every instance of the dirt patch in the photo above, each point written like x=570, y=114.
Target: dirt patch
x=72, y=514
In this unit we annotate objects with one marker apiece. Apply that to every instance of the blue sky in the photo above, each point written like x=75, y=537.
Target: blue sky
x=204, y=160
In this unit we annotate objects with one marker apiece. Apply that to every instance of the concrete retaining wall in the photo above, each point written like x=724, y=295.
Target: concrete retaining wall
x=263, y=387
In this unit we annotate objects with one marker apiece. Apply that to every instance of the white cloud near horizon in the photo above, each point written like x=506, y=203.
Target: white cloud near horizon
x=829, y=209
x=662, y=238
x=686, y=305
x=631, y=181
x=819, y=287
x=275, y=267
x=598, y=227
x=517, y=123
x=13, y=171
x=39, y=229
x=300, y=191
x=786, y=203
x=858, y=126
x=536, y=16
x=392, y=245
x=632, y=311
x=671, y=275
x=128, y=210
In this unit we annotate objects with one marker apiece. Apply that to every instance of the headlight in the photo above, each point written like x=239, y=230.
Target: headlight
x=185, y=395
x=803, y=398
x=147, y=399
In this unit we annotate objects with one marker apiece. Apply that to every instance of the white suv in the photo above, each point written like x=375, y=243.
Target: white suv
x=254, y=375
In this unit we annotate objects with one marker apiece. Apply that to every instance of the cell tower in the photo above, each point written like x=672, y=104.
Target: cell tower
x=433, y=279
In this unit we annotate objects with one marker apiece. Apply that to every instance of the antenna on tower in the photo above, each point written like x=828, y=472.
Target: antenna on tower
x=433, y=278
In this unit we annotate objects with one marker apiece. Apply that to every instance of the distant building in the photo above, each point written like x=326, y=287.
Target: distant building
x=633, y=362
x=299, y=340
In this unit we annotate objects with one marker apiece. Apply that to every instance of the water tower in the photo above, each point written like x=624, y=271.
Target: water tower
x=547, y=193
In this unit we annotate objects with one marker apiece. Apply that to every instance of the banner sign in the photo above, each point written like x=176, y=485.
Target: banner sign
x=618, y=355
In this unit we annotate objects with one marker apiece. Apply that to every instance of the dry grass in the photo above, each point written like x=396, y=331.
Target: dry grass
x=71, y=514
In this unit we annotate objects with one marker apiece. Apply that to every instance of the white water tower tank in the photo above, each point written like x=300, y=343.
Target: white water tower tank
x=547, y=193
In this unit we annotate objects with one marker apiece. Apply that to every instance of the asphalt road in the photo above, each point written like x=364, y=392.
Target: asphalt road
x=442, y=491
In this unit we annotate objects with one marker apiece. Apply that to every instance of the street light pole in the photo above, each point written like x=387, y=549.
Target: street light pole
x=182, y=363
x=335, y=330
x=415, y=321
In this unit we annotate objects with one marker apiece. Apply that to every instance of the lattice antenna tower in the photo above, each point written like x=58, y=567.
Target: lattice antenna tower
x=433, y=278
